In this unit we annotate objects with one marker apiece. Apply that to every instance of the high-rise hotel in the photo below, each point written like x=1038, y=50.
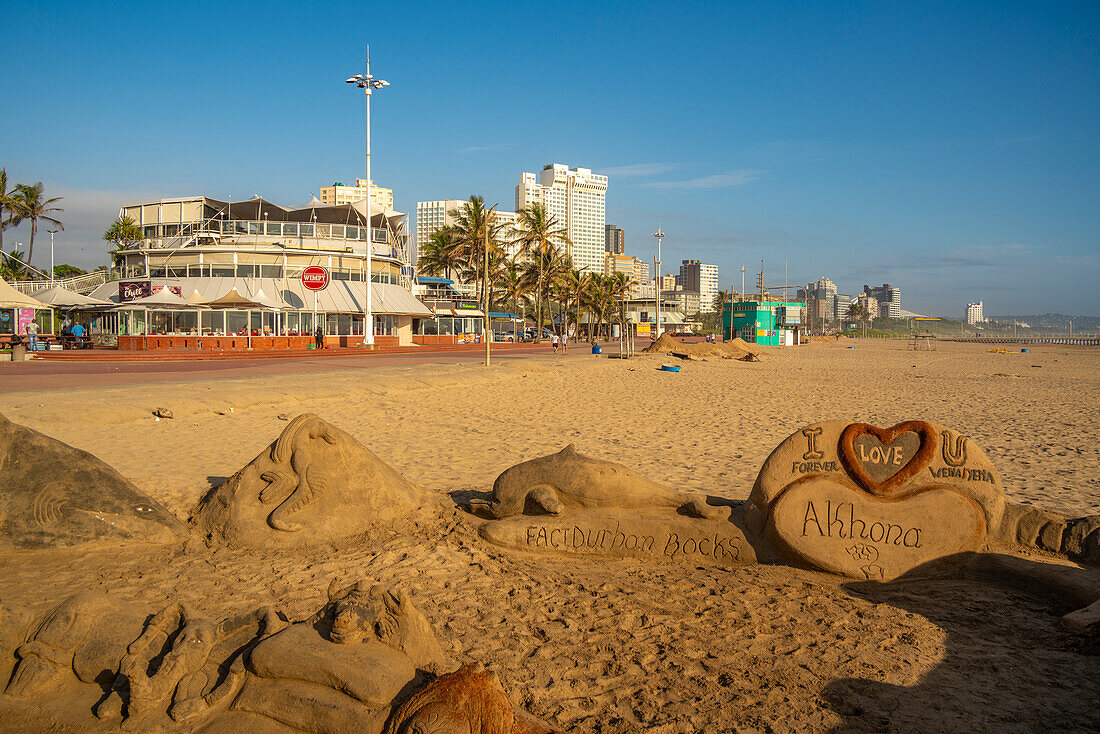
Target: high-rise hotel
x=576, y=198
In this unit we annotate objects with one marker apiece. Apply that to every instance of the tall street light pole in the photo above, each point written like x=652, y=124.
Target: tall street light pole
x=368, y=83
x=657, y=281
x=52, y=233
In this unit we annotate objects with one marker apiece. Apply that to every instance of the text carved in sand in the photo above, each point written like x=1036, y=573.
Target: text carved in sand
x=670, y=545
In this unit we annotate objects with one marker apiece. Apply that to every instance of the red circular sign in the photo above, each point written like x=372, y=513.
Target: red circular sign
x=315, y=278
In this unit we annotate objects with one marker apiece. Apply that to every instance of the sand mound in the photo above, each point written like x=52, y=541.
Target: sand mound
x=314, y=483
x=57, y=495
x=735, y=349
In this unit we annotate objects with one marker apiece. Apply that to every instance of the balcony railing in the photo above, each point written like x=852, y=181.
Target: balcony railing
x=179, y=235
x=80, y=283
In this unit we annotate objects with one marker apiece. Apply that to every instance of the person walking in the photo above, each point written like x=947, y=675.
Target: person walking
x=319, y=337
x=32, y=335
x=556, y=341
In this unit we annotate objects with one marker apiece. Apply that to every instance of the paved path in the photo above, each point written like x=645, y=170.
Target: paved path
x=47, y=375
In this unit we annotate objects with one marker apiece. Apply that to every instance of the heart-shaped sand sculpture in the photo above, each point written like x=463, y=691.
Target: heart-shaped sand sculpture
x=864, y=501
x=841, y=529
x=884, y=459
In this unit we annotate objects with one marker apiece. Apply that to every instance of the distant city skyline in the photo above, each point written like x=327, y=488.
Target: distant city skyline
x=947, y=149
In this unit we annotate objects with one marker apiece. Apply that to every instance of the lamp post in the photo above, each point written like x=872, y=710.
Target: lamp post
x=368, y=83
x=657, y=281
x=52, y=233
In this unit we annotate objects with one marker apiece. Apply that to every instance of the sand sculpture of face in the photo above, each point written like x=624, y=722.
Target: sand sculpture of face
x=365, y=611
x=49, y=653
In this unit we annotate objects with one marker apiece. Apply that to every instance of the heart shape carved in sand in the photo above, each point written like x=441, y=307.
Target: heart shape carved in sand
x=883, y=459
x=838, y=528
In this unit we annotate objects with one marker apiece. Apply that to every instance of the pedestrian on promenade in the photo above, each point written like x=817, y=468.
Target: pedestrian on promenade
x=32, y=335
x=319, y=337
x=556, y=341
x=564, y=343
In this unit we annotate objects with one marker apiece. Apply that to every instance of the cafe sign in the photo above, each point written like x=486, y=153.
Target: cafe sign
x=315, y=278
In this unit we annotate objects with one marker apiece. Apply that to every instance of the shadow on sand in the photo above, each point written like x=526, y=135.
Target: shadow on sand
x=1007, y=664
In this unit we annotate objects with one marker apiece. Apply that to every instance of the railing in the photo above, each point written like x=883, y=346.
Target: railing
x=79, y=283
x=170, y=236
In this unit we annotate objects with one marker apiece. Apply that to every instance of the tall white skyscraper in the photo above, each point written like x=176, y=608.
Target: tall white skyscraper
x=975, y=313
x=576, y=198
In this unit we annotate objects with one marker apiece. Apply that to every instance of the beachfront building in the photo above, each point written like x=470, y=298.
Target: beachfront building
x=614, y=263
x=239, y=265
x=822, y=292
x=975, y=314
x=868, y=303
x=614, y=240
x=338, y=194
x=576, y=198
x=888, y=297
x=703, y=279
x=767, y=322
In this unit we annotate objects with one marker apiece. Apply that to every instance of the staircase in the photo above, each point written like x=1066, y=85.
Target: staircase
x=84, y=284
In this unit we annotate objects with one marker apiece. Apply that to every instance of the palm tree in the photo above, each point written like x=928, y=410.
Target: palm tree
x=858, y=312
x=124, y=233
x=13, y=265
x=441, y=254
x=514, y=288
x=8, y=209
x=618, y=288
x=474, y=228
x=31, y=204
x=539, y=236
x=573, y=287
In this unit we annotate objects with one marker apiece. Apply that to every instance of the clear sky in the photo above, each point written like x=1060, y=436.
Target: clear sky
x=951, y=149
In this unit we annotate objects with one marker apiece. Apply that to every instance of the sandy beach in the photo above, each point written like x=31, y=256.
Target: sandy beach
x=617, y=646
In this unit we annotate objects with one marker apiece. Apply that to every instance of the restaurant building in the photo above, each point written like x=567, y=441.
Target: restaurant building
x=239, y=266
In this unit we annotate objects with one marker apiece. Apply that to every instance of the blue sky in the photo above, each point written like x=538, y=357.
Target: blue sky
x=951, y=149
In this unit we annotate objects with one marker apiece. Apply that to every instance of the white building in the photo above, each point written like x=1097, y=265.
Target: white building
x=431, y=216
x=974, y=314
x=339, y=194
x=702, y=278
x=576, y=198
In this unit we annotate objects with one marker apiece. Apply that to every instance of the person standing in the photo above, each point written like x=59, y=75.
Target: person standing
x=319, y=337
x=32, y=335
x=555, y=341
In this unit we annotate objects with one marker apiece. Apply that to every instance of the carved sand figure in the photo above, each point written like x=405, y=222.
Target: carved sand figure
x=572, y=504
x=84, y=636
x=469, y=701
x=549, y=484
x=340, y=670
x=55, y=495
x=315, y=482
x=199, y=655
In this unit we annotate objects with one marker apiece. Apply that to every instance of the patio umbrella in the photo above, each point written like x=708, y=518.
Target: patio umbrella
x=11, y=298
x=59, y=297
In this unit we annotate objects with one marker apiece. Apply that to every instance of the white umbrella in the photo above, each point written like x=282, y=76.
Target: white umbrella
x=64, y=298
x=11, y=298
x=163, y=298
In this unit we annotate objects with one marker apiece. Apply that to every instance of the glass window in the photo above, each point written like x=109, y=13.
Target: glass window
x=158, y=272
x=246, y=271
x=305, y=325
x=187, y=322
x=178, y=271
x=222, y=271
x=331, y=323
x=271, y=271
x=343, y=323
x=305, y=230
x=324, y=230
x=290, y=322
x=236, y=322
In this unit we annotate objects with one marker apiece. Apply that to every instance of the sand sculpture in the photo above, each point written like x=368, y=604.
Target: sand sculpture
x=367, y=661
x=55, y=495
x=84, y=636
x=867, y=502
x=571, y=503
x=314, y=483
